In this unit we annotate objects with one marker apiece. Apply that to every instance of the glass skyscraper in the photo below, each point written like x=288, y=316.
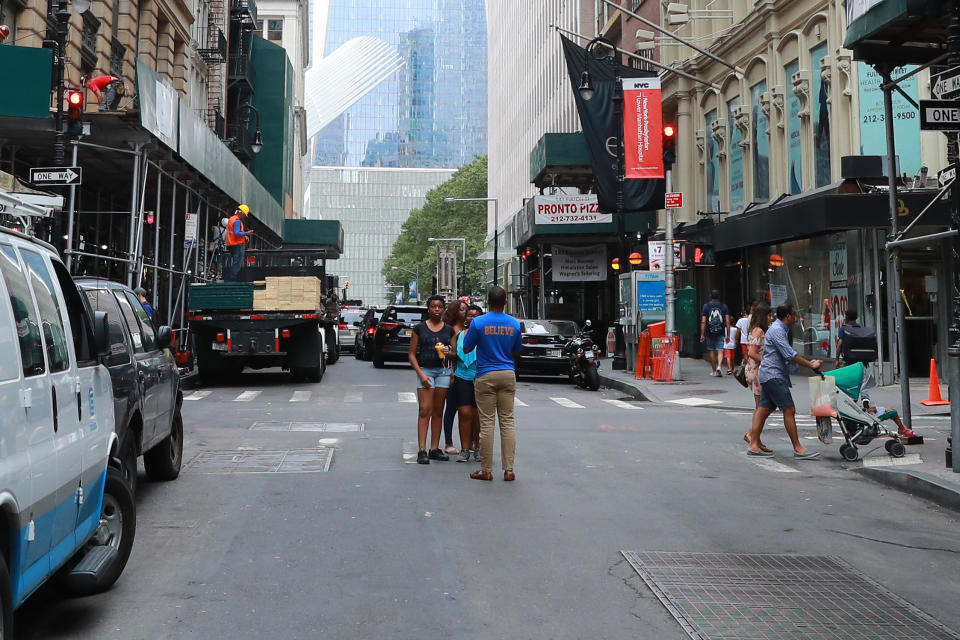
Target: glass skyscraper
x=429, y=114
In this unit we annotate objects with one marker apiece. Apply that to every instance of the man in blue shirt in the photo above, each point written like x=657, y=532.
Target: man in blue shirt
x=496, y=338
x=774, y=377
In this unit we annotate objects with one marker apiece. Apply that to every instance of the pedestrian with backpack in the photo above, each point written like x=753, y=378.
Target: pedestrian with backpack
x=714, y=324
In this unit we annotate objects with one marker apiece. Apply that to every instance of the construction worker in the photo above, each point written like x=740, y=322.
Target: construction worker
x=236, y=241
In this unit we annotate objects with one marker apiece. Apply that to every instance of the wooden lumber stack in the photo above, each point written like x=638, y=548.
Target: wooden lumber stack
x=288, y=293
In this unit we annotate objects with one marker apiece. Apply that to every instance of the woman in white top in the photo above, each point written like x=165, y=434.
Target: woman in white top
x=743, y=327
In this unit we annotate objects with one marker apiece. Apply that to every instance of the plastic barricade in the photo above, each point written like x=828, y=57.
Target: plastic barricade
x=657, y=329
x=643, y=356
x=664, y=357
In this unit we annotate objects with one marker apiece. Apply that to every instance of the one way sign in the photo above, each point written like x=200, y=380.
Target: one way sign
x=940, y=115
x=55, y=176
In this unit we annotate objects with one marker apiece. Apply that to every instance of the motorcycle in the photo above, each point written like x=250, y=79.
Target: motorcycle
x=584, y=361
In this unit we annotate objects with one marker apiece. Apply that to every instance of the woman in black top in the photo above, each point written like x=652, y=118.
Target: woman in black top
x=428, y=361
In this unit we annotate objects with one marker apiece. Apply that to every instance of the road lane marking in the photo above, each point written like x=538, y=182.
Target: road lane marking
x=247, y=396
x=198, y=395
x=300, y=396
x=568, y=403
x=620, y=403
x=353, y=396
x=406, y=396
x=694, y=402
x=519, y=402
x=770, y=465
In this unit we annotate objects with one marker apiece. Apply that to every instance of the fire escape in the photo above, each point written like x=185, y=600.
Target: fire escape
x=213, y=50
x=241, y=81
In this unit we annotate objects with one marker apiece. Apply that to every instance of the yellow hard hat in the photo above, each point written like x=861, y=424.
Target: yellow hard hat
x=244, y=208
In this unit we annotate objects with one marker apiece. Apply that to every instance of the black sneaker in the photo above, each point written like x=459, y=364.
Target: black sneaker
x=422, y=457
x=438, y=454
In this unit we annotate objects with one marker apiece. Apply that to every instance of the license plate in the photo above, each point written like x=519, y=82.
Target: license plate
x=406, y=333
x=219, y=346
x=555, y=353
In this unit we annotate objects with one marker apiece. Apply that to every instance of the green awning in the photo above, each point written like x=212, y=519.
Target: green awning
x=561, y=159
x=888, y=31
x=318, y=234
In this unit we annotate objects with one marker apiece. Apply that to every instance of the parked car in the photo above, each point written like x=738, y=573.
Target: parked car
x=350, y=318
x=367, y=329
x=392, y=338
x=65, y=509
x=543, y=341
x=147, y=398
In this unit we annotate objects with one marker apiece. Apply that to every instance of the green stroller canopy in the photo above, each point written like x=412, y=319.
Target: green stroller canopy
x=849, y=379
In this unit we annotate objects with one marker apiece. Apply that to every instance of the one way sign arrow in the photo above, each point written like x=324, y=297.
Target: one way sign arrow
x=55, y=176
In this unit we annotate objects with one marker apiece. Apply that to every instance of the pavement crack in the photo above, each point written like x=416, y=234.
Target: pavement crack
x=894, y=544
x=631, y=581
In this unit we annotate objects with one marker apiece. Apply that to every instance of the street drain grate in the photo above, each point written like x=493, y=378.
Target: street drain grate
x=755, y=597
x=329, y=427
x=237, y=462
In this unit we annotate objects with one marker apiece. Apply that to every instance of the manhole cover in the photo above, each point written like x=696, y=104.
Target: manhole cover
x=755, y=597
x=337, y=427
x=291, y=461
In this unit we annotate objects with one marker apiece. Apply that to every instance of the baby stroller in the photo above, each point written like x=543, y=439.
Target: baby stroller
x=837, y=397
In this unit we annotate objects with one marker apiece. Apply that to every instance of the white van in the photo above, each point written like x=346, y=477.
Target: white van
x=63, y=501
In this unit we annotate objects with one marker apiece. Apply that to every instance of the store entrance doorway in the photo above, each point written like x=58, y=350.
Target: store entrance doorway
x=923, y=310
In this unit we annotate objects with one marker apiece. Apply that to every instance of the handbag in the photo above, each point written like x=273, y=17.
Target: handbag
x=740, y=373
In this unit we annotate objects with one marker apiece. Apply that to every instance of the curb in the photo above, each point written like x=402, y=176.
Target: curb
x=919, y=483
x=625, y=387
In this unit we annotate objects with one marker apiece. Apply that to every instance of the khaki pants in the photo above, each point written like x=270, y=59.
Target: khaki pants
x=495, y=391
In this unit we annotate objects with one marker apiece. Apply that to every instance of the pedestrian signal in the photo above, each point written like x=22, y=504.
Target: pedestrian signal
x=696, y=255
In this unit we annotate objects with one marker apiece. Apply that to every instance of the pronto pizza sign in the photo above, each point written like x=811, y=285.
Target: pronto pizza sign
x=569, y=209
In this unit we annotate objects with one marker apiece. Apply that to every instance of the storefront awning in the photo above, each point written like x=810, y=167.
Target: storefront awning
x=562, y=160
x=895, y=31
x=826, y=210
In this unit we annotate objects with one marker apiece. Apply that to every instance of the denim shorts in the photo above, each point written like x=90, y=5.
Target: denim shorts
x=775, y=394
x=713, y=342
x=439, y=377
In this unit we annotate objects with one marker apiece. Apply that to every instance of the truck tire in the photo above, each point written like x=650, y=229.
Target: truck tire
x=164, y=460
x=333, y=345
x=128, y=459
x=316, y=374
x=334, y=354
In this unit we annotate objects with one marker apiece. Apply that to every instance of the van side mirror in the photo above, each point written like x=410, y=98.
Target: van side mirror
x=101, y=333
x=164, y=337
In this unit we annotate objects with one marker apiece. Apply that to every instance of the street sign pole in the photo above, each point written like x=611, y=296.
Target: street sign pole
x=70, y=207
x=953, y=349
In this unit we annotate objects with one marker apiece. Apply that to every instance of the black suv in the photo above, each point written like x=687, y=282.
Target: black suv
x=366, y=330
x=392, y=338
x=146, y=384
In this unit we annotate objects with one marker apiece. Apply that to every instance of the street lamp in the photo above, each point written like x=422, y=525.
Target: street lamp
x=496, y=230
x=417, y=274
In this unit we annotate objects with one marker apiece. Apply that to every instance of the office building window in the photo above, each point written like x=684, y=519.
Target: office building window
x=274, y=31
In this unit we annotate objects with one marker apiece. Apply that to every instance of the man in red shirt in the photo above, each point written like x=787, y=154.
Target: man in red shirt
x=108, y=90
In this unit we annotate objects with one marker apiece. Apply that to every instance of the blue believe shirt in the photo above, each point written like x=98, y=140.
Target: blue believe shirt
x=496, y=337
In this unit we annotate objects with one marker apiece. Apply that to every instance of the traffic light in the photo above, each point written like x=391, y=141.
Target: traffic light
x=615, y=264
x=696, y=255
x=74, y=111
x=150, y=217
x=669, y=144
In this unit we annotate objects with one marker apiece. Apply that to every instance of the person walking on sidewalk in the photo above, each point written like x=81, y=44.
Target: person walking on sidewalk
x=429, y=346
x=774, y=376
x=743, y=328
x=760, y=319
x=497, y=340
x=714, y=322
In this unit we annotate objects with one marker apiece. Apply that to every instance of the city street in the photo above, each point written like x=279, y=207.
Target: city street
x=279, y=529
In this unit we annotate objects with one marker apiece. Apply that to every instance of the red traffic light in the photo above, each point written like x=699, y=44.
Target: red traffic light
x=75, y=98
x=615, y=264
x=669, y=131
x=149, y=218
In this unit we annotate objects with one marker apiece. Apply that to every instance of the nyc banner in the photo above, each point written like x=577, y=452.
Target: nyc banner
x=642, y=128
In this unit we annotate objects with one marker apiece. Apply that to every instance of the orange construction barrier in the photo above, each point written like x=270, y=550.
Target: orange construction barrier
x=643, y=356
x=663, y=359
x=933, y=395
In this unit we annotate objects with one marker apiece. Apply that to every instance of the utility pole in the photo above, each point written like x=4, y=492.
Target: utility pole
x=669, y=157
x=63, y=21
x=953, y=50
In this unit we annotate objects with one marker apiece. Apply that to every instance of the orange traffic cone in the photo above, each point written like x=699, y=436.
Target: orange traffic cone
x=933, y=395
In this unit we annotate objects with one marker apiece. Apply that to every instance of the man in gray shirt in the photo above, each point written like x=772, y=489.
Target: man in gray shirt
x=774, y=376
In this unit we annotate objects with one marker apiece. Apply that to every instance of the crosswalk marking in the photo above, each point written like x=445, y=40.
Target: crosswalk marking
x=771, y=465
x=620, y=403
x=567, y=402
x=406, y=396
x=353, y=396
x=198, y=395
x=519, y=402
x=300, y=396
x=694, y=402
x=247, y=396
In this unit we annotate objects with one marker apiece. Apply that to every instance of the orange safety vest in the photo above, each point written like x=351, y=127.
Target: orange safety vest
x=232, y=238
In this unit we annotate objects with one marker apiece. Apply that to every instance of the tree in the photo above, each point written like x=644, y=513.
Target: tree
x=439, y=219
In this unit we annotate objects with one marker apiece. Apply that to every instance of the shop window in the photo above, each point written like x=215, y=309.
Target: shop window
x=275, y=31
x=734, y=156
x=760, y=145
x=820, y=97
x=794, y=143
x=712, y=166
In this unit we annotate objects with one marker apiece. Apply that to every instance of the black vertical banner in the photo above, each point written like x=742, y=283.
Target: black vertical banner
x=598, y=118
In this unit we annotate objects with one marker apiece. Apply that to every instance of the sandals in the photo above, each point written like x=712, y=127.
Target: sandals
x=762, y=447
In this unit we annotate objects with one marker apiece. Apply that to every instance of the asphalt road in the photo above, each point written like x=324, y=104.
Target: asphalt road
x=377, y=547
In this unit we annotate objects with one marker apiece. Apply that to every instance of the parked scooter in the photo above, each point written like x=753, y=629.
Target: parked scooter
x=582, y=355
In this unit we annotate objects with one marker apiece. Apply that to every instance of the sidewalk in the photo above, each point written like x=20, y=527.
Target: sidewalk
x=921, y=472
